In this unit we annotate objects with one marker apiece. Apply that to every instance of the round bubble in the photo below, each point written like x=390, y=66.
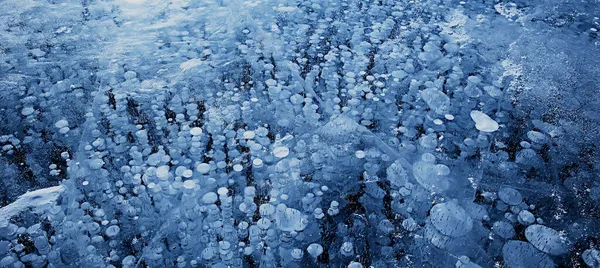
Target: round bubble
x=546, y=239
x=510, y=196
x=450, y=219
x=281, y=152
x=503, y=229
x=519, y=254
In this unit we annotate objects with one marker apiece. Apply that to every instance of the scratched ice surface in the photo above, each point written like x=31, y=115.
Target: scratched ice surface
x=299, y=133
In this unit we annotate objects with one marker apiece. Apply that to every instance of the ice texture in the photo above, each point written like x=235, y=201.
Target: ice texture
x=289, y=133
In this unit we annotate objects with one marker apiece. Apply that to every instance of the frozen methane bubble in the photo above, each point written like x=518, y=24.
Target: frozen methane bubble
x=61, y=123
x=431, y=176
x=249, y=134
x=503, y=229
x=186, y=65
x=450, y=219
x=263, y=223
x=27, y=111
x=347, y=249
x=188, y=173
x=281, y=151
x=536, y=137
x=189, y=184
x=162, y=172
x=266, y=210
x=591, y=257
x=291, y=220
x=208, y=253
x=409, y=224
x=209, y=198
x=339, y=130
x=526, y=217
x=510, y=196
x=483, y=122
x=465, y=262
x=519, y=254
x=179, y=170
x=223, y=191
x=354, y=264
x=96, y=163
x=435, y=237
x=257, y=162
x=112, y=231
x=297, y=254
x=196, y=131
x=203, y=168
x=396, y=174
x=271, y=82
x=546, y=239
x=400, y=74
x=436, y=100
x=315, y=250
x=238, y=167
x=128, y=261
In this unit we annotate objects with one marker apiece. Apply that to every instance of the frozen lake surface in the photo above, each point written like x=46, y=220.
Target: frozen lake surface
x=288, y=133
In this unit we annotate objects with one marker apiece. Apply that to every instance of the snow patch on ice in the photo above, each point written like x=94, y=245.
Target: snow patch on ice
x=37, y=199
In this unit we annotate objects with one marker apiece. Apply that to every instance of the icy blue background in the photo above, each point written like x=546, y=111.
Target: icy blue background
x=284, y=133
